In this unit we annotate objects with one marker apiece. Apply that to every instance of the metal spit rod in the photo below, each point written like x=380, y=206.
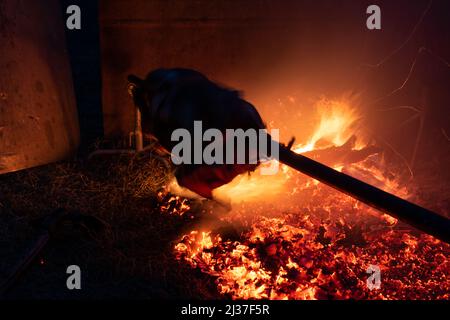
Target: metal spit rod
x=410, y=213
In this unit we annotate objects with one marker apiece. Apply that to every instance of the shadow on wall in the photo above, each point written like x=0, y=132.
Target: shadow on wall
x=84, y=52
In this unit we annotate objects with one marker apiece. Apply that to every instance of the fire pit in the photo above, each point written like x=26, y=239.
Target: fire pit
x=299, y=239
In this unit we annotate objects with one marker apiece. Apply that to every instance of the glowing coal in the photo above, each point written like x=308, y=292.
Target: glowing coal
x=304, y=240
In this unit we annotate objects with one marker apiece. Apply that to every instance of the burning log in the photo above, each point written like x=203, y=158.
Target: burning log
x=174, y=98
x=342, y=155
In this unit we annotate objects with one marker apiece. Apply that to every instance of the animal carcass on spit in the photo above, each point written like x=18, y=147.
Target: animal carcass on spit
x=173, y=99
x=170, y=99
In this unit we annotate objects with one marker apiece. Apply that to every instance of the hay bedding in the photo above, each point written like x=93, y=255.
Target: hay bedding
x=131, y=258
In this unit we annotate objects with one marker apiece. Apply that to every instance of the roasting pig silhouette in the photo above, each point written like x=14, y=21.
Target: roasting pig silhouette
x=169, y=99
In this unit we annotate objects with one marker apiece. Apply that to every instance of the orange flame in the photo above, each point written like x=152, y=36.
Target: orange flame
x=324, y=242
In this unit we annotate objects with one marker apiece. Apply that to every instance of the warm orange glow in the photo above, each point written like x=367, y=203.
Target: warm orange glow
x=337, y=123
x=303, y=240
x=338, y=120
